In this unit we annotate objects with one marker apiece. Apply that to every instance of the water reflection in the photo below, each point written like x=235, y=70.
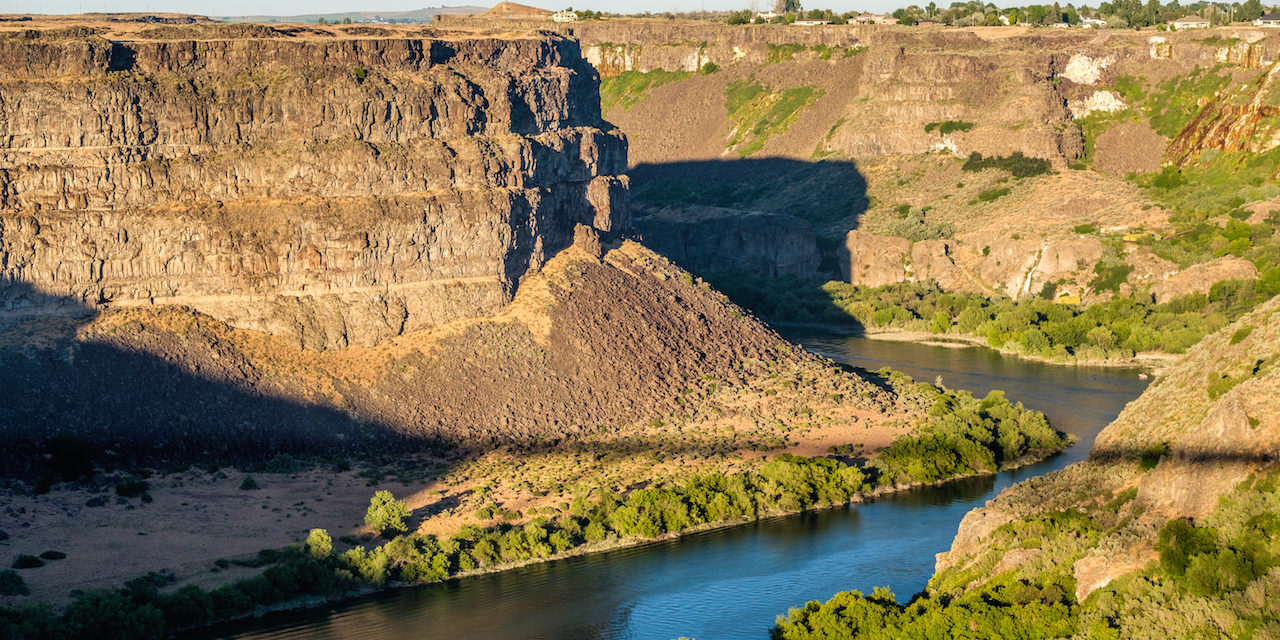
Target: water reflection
x=731, y=583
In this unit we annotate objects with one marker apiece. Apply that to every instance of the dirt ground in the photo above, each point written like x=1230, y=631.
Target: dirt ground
x=194, y=519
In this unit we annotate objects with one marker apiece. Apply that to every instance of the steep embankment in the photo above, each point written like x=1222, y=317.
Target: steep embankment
x=1168, y=530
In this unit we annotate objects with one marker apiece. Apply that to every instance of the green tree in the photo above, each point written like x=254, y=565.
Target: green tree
x=386, y=513
x=319, y=543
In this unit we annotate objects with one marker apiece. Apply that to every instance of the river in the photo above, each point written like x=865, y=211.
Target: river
x=731, y=583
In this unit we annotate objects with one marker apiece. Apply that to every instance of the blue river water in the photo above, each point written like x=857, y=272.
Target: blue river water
x=731, y=583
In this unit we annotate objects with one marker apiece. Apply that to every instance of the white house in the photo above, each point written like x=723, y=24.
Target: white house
x=873, y=18
x=1268, y=19
x=1092, y=23
x=809, y=23
x=767, y=15
x=1189, y=22
x=564, y=16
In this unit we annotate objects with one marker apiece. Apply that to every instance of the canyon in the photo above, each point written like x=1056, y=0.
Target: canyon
x=846, y=127
x=469, y=258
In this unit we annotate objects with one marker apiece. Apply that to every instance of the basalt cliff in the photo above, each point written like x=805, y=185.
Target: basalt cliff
x=328, y=191
x=863, y=132
x=228, y=238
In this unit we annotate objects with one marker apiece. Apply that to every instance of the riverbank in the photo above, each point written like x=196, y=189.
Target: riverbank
x=1153, y=362
x=877, y=494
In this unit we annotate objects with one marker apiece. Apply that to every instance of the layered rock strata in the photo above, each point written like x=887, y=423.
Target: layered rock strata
x=333, y=192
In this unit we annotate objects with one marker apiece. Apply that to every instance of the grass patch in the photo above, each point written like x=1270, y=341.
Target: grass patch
x=1017, y=164
x=628, y=88
x=758, y=113
x=1240, y=334
x=991, y=195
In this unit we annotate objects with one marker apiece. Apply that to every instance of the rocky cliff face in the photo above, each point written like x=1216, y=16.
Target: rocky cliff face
x=228, y=243
x=330, y=191
x=1246, y=119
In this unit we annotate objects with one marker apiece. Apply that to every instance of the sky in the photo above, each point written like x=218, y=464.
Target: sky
x=295, y=7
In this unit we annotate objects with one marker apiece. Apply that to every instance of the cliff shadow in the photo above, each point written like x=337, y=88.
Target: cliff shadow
x=70, y=398
x=829, y=194
x=168, y=391
x=767, y=232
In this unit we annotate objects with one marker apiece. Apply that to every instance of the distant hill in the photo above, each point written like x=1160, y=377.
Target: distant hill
x=513, y=10
x=426, y=14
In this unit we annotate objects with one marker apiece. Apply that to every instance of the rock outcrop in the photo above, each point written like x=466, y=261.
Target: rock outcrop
x=333, y=192
x=1013, y=267
x=1246, y=119
x=1200, y=278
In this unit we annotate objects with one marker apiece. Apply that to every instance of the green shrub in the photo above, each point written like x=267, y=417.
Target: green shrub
x=386, y=514
x=709, y=68
x=52, y=555
x=319, y=544
x=108, y=615
x=131, y=487
x=947, y=127
x=1085, y=229
x=249, y=484
x=1017, y=164
x=990, y=195
x=1151, y=456
x=1240, y=334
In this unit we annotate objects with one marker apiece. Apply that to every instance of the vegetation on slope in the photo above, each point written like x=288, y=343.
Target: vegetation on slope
x=1116, y=329
x=628, y=88
x=1215, y=579
x=757, y=112
x=962, y=435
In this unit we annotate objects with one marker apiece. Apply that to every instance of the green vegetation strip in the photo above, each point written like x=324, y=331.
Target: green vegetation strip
x=628, y=88
x=961, y=435
x=1018, y=165
x=1116, y=329
x=947, y=127
x=757, y=113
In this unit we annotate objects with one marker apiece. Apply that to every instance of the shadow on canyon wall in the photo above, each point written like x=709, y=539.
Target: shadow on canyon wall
x=772, y=264
x=830, y=194
x=131, y=406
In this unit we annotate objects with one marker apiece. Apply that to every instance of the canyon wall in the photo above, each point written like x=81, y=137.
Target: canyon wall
x=332, y=191
x=848, y=124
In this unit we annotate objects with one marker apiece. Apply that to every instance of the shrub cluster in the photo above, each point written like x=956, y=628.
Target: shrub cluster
x=1038, y=327
x=1005, y=608
x=1018, y=165
x=947, y=127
